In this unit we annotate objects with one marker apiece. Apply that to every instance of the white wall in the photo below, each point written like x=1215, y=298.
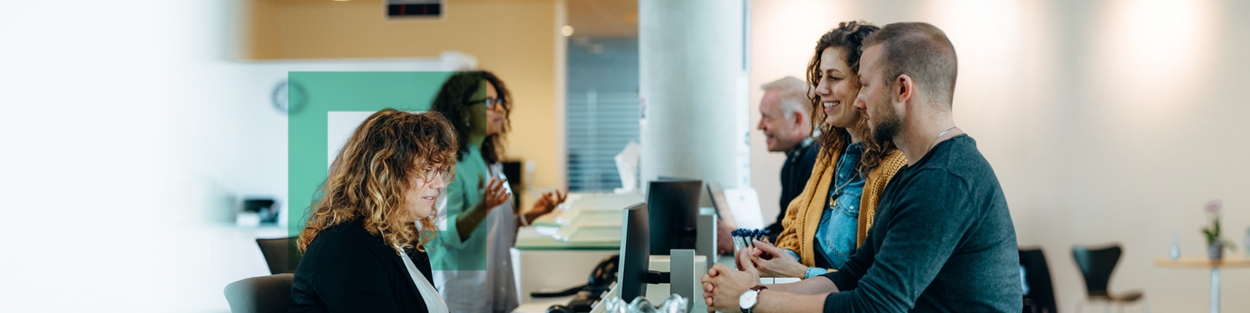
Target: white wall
x=128, y=137
x=111, y=113
x=1111, y=121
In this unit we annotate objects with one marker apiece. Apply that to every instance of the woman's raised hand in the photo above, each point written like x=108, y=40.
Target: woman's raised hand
x=548, y=203
x=494, y=192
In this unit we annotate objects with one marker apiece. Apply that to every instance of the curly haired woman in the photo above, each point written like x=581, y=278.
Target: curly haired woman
x=830, y=219
x=364, y=241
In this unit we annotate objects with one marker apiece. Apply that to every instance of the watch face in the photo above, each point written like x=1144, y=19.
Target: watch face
x=747, y=300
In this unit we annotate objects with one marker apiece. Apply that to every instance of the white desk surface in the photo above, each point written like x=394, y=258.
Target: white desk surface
x=541, y=305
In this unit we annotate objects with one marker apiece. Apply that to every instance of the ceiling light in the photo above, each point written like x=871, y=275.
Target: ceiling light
x=566, y=30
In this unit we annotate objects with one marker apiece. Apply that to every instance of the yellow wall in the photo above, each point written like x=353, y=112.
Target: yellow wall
x=516, y=39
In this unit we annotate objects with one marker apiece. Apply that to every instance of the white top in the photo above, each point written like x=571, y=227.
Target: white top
x=493, y=287
x=433, y=301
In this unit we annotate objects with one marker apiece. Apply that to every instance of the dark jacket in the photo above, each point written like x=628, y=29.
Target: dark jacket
x=345, y=269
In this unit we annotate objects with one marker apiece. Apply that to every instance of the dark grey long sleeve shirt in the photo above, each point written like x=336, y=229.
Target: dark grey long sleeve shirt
x=942, y=241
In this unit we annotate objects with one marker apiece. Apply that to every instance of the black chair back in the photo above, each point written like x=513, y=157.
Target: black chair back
x=1037, y=274
x=1096, y=265
x=280, y=254
x=265, y=294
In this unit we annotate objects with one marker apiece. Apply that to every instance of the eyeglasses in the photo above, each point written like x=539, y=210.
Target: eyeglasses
x=490, y=103
x=443, y=171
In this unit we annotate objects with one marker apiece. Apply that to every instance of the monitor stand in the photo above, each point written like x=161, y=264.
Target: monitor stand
x=684, y=273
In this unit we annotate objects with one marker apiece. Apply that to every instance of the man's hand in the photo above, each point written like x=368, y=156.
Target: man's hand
x=722, y=285
x=724, y=239
x=781, y=264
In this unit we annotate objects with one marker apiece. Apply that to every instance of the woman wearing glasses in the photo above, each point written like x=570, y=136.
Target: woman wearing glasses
x=364, y=241
x=472, y=265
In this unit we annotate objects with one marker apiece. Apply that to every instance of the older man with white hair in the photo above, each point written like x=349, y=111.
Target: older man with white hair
x=786, y=119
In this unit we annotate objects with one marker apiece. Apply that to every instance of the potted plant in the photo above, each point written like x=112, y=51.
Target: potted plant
x=1215, y=244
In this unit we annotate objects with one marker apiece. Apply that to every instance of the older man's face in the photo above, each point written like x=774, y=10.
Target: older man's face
x=781, y=133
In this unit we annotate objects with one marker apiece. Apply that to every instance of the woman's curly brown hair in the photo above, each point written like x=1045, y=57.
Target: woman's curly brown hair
x=455, y=97
x=850, y=37
x=368, y=180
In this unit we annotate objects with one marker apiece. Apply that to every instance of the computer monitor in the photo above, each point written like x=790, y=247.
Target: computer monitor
x=721, y=204
x=635, y=253
x=673, y=207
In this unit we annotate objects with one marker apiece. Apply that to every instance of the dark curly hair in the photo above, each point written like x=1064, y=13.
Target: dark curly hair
x=453, y=101
x=850, y=37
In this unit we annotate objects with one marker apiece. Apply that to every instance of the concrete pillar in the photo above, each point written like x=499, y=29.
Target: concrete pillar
x=693, y=88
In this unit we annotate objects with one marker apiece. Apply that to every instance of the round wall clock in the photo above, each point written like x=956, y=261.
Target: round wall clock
x=288, y=97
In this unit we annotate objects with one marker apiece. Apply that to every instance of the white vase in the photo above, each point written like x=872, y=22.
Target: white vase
x=1175, y=251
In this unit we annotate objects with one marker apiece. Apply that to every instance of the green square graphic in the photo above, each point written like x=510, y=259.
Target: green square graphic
x=321, y=93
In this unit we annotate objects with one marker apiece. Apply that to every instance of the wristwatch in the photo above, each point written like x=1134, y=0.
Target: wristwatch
x=749, y=298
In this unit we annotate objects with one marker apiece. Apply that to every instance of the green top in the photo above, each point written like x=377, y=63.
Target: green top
x=450, y=252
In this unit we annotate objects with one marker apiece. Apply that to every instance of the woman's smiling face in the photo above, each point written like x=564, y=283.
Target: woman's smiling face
x=837, y=88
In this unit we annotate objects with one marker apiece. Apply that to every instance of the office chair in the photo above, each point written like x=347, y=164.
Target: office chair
x=280, y=254
x=1041, y=296
x=264, y=294
x=1096, y=265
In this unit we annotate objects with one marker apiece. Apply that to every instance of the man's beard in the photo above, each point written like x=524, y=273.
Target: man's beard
x=887, y=126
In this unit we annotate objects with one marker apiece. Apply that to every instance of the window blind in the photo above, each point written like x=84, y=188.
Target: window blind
x=598, y=125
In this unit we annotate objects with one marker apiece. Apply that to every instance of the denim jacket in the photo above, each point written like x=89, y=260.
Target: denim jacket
x=839, y=224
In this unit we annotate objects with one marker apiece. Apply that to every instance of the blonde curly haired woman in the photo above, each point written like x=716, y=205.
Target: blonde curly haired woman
x=829, y=220
x=364, y=241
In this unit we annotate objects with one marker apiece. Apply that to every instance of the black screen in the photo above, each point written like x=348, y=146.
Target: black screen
x=673, y=209
x=634, y=253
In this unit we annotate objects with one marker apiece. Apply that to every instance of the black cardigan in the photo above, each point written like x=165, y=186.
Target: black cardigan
x=345, y=269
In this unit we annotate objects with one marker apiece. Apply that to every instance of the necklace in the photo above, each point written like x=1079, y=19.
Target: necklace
x=838, y=189
x=926, y=150
x=837, y=193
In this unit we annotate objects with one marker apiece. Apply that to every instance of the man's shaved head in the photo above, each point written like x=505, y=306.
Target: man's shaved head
x=921, y=51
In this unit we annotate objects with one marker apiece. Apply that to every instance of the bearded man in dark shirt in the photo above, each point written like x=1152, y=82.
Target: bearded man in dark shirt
x=943, y=240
